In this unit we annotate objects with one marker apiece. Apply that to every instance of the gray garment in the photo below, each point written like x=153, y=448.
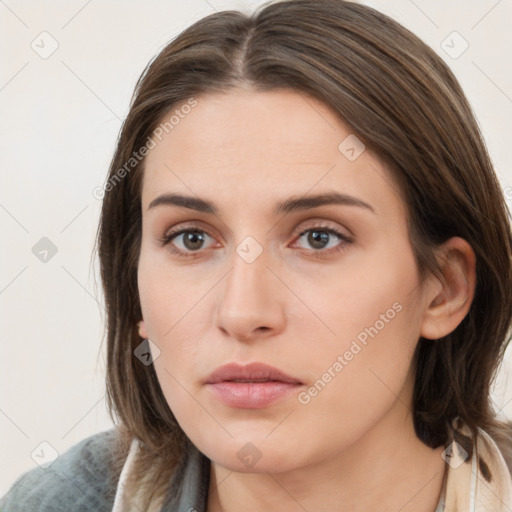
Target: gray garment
x=80, y=480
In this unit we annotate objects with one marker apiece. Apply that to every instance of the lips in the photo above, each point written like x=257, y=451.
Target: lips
x=253, y=372
x=253, y=386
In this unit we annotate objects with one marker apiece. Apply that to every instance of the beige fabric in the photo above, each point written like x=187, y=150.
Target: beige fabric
x=477, y=478
x=121, y=502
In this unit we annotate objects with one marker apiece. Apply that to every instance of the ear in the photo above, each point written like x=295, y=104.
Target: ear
x=449, y=301
x=143, y=333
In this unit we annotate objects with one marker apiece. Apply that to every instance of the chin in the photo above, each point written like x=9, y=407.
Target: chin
x=270, y=464
x=259, y=456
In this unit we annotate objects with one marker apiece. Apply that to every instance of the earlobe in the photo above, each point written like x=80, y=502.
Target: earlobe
x=143, y=333
x=449, y=300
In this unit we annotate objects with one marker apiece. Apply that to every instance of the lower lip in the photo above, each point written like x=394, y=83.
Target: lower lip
x=251, y=395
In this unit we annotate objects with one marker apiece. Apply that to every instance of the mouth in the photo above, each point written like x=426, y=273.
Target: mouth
x=252, y=380
x=253, y=386
x=253, y=372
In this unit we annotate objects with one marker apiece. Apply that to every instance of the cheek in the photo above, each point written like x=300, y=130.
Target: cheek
x=165, y=294
x=374, y=295
x=361, y=378
x=359, y=370
x=173, y=306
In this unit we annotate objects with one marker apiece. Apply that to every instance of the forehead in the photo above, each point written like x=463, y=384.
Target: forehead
x=263, y=142
x=244, y=124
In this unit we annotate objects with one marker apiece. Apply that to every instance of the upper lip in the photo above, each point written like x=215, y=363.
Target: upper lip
x=249, y=373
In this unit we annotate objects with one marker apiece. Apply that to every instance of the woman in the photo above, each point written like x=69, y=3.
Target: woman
x=306, y=259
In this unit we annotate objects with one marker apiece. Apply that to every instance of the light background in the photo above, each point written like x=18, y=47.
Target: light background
x=59, y=121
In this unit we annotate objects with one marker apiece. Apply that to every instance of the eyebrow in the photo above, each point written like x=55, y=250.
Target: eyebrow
x=287, y=206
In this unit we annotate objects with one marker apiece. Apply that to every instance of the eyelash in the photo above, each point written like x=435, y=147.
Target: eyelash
x=320, y=253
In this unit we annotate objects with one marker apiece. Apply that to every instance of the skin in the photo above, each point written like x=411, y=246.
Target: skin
x=352, y=447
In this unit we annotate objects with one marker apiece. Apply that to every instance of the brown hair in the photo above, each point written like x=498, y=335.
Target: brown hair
x=403, y=101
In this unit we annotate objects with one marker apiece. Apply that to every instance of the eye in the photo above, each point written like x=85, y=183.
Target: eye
x=324, y=239
x=185, y=240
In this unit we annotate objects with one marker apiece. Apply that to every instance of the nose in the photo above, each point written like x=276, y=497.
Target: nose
x=252, y=302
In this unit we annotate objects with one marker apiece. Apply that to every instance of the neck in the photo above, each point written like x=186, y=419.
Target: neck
x=389, y=468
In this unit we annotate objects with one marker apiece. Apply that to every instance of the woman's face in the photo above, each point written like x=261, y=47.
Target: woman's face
x=325, y=291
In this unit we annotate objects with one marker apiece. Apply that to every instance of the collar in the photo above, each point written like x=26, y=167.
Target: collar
x=477, y=478
x=187, y=491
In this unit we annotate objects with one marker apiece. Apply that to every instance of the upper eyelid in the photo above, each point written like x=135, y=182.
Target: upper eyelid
x=186, y=227
x=198, y=225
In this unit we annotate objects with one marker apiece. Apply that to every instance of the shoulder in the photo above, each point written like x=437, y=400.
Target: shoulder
x=82, y=479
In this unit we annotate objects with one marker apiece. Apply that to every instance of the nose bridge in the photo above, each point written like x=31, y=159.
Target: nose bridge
x=248, y=277
x=249, y=300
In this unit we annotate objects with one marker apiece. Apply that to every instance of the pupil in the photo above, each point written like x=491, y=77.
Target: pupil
x=317, y=236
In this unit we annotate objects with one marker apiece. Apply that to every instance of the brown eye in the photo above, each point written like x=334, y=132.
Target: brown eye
x=320, y=238
x=193, y=240
x=186, y=240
